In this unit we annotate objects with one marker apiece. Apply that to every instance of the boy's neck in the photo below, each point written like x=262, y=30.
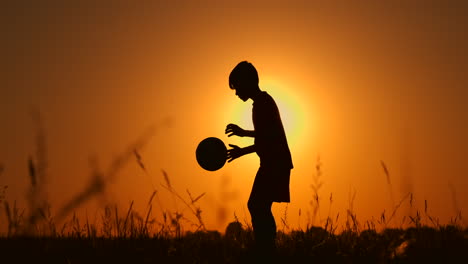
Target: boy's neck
x=256, y=94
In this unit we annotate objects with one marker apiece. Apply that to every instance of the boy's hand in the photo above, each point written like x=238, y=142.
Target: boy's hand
x=234, y=153
x=235, y=130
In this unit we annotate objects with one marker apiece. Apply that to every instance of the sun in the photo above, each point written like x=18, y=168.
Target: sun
x=292, y=111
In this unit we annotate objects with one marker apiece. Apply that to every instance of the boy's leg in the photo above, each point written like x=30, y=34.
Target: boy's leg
x=263, y=223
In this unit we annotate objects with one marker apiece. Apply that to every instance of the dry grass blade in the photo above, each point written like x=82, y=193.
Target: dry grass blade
x=147, y=218
x=193, y=208
x=139, y=160
x=127, y=217
x=2, y=193
x=284, y=219
x=151, y=198
x=8, y=212
x=37, y=166
x=117, y=221
x=32, y=172
x=453, y=193
x=398, y=205
x=317, y=183
x=196, y=199
x=87, y=226
x=99, y=180
x=389, y=183
x=96, y=186
x=166, y=179
x=385, y=169
x=351, y=198
x=125, y=156
x=189, y=194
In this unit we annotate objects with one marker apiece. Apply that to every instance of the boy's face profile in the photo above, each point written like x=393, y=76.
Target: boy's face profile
x=243, y=91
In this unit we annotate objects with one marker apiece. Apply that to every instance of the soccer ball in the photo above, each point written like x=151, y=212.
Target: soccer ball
x=211, y=154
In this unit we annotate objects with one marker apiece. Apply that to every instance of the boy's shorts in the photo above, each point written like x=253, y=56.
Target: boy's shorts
x=271, y=184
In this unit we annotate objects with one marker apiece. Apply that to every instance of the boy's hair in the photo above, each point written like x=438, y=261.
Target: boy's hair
x=243, y=73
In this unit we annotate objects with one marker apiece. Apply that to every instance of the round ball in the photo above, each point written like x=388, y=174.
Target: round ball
x=211, y=154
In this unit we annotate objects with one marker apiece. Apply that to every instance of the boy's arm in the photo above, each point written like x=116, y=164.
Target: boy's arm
x=237, y=152
x=249, y=133
x=249, y=149
x=235, y=130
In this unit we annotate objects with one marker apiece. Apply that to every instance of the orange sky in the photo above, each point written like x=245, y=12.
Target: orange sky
x=355, y=85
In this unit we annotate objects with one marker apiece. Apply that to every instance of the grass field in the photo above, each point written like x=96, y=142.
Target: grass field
x=423, y=244
x=34, y=235
x=134, y=238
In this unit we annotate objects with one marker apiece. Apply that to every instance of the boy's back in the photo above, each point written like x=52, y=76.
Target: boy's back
x=270, y=139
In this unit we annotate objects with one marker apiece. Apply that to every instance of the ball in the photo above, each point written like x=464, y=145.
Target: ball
x=211, y=154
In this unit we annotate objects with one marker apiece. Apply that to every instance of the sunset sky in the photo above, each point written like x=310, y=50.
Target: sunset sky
x=356, y=84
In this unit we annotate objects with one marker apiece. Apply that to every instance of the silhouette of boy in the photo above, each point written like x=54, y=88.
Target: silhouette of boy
x=271, y=183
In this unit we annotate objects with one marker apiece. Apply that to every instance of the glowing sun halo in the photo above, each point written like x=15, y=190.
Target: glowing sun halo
x=291, y=110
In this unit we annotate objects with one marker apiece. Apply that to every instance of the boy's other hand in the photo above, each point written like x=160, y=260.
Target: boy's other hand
x=234, y=130
x=234, y=153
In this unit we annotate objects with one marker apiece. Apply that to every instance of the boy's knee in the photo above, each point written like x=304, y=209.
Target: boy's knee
x=258, y=206
x=255, y=207
x=251, y=206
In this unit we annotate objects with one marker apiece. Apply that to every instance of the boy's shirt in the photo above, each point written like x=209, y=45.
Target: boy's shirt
x=270, y=139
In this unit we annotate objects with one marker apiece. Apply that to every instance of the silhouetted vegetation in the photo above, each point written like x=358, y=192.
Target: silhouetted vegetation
x=35, y=235
x=135, y=238
x=412, y=245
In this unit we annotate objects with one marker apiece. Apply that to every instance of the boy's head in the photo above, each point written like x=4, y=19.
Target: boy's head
x=244, y=79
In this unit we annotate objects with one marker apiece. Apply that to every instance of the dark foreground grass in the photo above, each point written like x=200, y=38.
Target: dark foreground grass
x=33, y=235
x=446, y=244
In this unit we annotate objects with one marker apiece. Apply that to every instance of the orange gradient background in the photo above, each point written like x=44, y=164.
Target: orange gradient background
x=356, y=84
